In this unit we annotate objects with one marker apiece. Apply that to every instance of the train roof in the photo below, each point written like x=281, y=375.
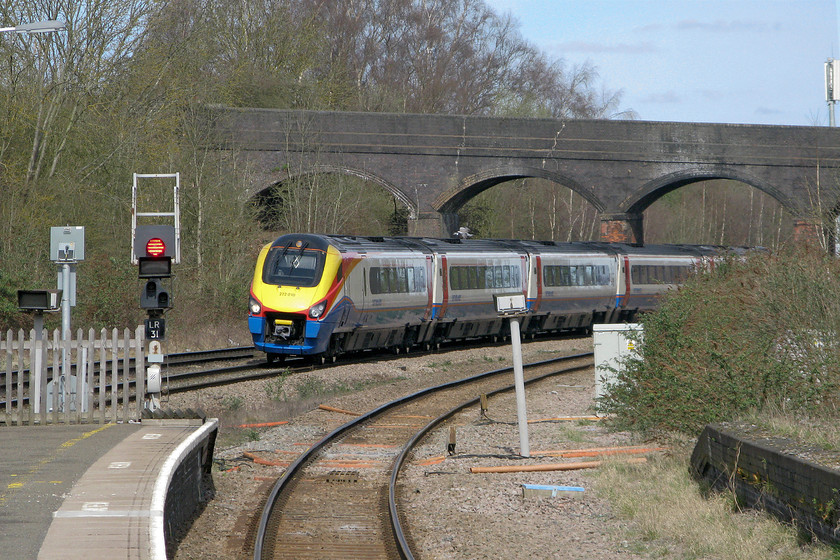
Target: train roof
x=364, y=244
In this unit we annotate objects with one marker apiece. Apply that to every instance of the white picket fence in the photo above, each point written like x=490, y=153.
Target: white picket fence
x=45, y=380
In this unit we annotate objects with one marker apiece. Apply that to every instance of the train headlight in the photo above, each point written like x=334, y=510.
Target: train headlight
x=317, y=310
x=254, y=306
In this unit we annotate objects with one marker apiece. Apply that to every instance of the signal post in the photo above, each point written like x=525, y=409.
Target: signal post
x=513, y=306
x=154, y=249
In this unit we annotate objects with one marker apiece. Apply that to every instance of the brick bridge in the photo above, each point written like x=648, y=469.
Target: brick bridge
x=436, y=163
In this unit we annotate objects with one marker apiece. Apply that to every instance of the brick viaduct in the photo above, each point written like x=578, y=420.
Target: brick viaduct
x=436, y=163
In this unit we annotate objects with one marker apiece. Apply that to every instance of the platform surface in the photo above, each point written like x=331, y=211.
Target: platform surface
x=82, y=491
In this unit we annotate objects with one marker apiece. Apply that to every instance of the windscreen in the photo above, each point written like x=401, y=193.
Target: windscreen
x=293, y=266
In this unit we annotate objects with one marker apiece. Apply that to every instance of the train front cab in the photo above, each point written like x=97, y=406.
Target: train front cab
x=297, y=280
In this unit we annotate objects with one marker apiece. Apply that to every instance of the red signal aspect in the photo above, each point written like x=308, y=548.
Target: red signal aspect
x=155, y=247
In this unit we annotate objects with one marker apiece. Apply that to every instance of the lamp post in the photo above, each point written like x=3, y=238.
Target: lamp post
x=38, y=27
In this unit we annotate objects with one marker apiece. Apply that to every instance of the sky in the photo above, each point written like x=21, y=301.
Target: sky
x=723, y=61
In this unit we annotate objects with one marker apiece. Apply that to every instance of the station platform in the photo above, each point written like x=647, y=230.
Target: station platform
x=99, y=491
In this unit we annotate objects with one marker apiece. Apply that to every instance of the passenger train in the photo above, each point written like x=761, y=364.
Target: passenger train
x=324, y=295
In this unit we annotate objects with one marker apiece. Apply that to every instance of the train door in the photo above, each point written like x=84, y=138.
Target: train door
x=363, y=294
x=441, y=288
x=534, y=282
x=622, y=281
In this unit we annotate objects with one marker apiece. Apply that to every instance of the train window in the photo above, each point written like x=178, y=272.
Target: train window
x=420, y=279
x=454, y=277
x=659, y=274
x=572, y=275
x=482, y=277
x=374, y=282
x=397, y=280
x=285, y=267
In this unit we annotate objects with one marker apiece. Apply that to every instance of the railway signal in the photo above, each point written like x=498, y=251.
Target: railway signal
x=155, y=248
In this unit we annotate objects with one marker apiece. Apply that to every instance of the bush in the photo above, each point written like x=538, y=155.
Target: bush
x=754, y=333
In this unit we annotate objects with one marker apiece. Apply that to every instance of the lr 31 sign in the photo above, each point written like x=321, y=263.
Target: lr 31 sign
x=155, y=329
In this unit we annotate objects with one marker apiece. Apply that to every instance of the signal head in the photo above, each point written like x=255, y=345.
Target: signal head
x=154, y=241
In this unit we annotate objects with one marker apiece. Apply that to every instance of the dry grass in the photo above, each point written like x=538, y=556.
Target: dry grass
x=669, y=518
x=822, y=432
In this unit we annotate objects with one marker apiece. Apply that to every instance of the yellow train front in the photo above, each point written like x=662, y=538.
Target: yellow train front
x=292, y=305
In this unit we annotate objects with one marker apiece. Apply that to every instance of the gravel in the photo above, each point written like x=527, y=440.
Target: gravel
x=452, y=513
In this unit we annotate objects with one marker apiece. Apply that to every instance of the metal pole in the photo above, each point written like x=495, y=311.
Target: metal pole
x=37, y=365
x=519, y=384
x=65, y=301
x=65, y=336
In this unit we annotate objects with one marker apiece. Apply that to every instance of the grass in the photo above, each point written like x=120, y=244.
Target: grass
x=670, y=518
x=820, y=432
x=442, y=366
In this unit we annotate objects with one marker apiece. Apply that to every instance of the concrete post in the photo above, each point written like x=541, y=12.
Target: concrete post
x=622, y=228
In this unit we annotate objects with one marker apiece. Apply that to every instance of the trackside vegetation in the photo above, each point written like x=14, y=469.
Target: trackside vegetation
x=755, y=335
x=754, y=340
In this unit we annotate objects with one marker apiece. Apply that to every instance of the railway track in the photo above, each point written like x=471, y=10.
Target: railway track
x=323, y=508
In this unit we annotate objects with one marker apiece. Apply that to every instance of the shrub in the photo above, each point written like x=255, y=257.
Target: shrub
x=755, y=332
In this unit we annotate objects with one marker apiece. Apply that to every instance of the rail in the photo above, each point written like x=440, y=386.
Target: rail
x=292, y=473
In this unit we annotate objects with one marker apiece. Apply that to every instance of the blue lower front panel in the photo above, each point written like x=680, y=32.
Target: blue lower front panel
x=315, y=340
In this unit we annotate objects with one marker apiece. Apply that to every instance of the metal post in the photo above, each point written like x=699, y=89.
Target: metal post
x=37, y=366
x=65, y=301
x=519, y=384
x=58, y=403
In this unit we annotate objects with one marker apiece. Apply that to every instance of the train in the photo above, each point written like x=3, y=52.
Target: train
x=325, y=295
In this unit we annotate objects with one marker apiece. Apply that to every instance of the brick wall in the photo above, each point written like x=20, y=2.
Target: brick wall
x=797, y=483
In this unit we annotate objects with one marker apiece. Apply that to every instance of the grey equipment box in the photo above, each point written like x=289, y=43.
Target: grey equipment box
x=613, y=345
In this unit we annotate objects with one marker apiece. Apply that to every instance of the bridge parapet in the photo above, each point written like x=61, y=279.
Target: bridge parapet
x=436, y=163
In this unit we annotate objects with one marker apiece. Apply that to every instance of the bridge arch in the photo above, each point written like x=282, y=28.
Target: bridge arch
x=281, y=177
x=638, y=201
x=450, y=201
